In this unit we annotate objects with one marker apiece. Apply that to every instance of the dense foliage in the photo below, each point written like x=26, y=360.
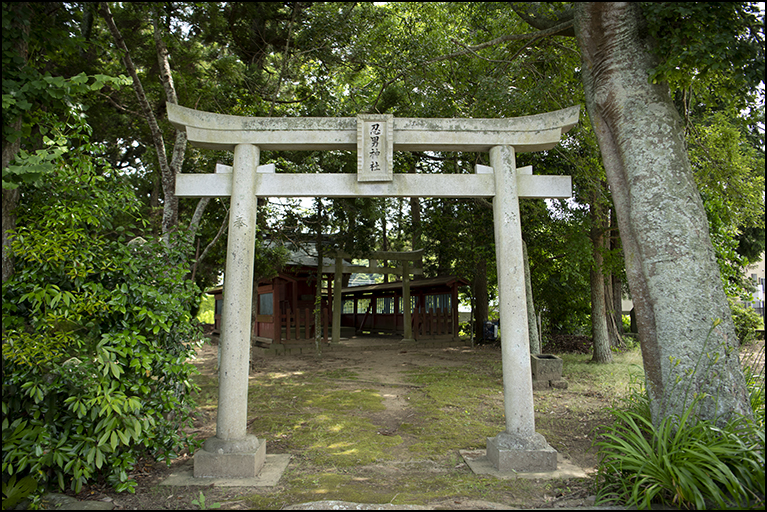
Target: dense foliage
x=97, y=333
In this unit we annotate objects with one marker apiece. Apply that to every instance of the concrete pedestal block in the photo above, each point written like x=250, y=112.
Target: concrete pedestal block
x=238, y=458
x=508, y=452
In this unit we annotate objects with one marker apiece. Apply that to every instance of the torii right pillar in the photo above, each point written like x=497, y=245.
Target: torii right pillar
x=519, y=448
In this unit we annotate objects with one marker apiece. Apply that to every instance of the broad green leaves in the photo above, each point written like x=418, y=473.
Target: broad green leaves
x=22, y=100
x=97, y=331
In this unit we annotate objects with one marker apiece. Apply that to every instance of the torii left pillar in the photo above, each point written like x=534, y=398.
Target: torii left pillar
x=232, y=453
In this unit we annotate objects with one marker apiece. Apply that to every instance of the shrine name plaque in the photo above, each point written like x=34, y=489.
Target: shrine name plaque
x=375, y=147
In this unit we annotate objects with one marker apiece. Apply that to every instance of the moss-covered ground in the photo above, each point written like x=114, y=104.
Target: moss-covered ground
x=387, y=427
x=331, y=414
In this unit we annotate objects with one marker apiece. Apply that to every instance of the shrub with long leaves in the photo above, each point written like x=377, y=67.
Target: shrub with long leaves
x=684, y=462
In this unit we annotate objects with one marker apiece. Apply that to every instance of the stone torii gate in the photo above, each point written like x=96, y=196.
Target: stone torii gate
x=231, y=453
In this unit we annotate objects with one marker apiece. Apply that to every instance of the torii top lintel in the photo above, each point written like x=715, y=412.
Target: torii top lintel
x=223, y=132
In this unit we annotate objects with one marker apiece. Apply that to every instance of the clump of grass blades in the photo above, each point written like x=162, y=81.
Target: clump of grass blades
x=754, y=374
x=684, y=462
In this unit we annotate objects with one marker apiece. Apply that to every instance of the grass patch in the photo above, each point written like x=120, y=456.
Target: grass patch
x=323, y=486
x=208, y=394
x=613, y=379
x=455, y=408
x=339, y=373
x=411, y=486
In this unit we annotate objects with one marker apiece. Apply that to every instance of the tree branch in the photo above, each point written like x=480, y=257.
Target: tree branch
x=168, y=177
x=531, y=13
x=117, y=105
x=508, y=37
x=220, y=232
x=194, y=224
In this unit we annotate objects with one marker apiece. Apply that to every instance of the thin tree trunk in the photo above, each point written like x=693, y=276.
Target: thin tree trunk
x=685, y=326
x=618, y=303
x=384, y=245
x=10, y=203
x=532, y=321
x=415, y=217
x=615, y=287
x=599, y=331
x=601, y=340
x=11, y=196
x=318, y=290
x=285, y=57
x=170, y=210
x=479, y=291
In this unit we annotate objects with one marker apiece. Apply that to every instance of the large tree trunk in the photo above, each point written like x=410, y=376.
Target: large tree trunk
x=670, y=265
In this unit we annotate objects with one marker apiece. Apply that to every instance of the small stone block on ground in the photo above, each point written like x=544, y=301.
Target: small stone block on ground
x=536, y=457
x=540, y=385
x=545, y=367
x=271, y=472
x=229, y=465
x=479, y=464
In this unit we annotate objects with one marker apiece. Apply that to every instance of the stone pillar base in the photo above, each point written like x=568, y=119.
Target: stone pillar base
x=238, y=458
x=508, y=452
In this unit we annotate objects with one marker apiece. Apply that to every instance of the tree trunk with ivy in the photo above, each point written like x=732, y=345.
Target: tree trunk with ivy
x=685, y=326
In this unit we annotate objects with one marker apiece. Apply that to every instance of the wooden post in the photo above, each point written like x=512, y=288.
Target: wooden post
x=406, y=307
x=325, y=324
x=454, y=310
x=337, y=302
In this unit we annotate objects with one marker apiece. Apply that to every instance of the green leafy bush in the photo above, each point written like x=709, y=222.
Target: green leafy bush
x=96, y=336
x=684, y=462
x=746, y=320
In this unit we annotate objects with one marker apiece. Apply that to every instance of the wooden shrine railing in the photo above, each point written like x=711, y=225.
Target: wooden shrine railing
x=300, y=326
x=432, y=323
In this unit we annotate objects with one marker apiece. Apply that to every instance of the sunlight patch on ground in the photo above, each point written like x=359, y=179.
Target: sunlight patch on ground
x=283, y=375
